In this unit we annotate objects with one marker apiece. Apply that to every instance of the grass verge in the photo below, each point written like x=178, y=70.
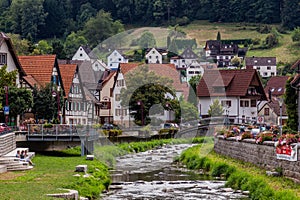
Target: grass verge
x=240, y=175
x=55, y=170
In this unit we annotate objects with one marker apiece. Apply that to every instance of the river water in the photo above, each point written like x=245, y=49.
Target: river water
x=152, y=175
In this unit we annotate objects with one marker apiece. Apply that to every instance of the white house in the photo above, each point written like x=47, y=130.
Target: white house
x=266, y=66
x=198, y=68
x=114, y=59
x=155, y=56
x=238, y=91
x=185, y=59
x=82, y=53
x=9, y=58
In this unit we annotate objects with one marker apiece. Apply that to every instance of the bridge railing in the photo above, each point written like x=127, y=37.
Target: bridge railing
x=62, y=130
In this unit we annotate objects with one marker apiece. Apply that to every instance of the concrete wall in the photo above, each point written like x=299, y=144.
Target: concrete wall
x=262, y=155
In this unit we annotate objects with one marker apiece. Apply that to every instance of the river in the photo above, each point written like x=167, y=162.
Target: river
x=152, y=175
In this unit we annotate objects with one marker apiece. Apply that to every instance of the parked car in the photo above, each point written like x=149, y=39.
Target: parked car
x=171, y=125
x=108, y=126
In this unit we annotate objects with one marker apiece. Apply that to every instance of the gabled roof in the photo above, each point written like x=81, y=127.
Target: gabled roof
x=212, y=44
x=234, y=82
x=166, y=70
x=274, y=105
x=5, y=38
x=260, y=61
x=38, y=67
x=276, y=85
x=296, y=65
x=67, y=75
x=188, y=53
x=89, y=78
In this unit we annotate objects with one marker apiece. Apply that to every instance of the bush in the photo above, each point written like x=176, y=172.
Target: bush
x=48, y=125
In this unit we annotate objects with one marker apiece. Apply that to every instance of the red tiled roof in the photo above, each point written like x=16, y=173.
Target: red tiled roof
x=235, y=82
x=277, y=85
x=67, y=74
x=166, y=70
x=39, y=67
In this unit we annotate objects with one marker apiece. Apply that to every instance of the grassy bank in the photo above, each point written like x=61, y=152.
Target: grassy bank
x=240, y=175
x=56, y=170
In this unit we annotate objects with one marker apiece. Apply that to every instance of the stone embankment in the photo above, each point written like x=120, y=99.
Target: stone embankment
x=261, y=155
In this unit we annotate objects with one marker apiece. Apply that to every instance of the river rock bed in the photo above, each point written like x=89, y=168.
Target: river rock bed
x=153, y=175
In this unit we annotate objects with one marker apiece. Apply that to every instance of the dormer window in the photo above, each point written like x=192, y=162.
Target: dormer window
x=80, y=55
x=153, y=52
x=219, y=89
x=255, y=61
x=269, y=61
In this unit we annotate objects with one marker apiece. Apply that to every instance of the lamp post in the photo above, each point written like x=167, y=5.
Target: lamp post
x=280, y=101
x=56, y=94
x=6, y=110
x=140, y=103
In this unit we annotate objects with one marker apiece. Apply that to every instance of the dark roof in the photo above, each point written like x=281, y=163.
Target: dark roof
x=274, y=105
x=188, y=53
x=296, y=65
x=235, y=82
x=276, y=85
x=212, y=44
x=260, y=61
x=88, y=77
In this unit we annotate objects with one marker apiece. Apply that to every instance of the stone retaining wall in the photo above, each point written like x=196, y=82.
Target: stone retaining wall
x=7, y=143
x=262, y=155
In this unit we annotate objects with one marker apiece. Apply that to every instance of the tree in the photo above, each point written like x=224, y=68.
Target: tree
x=42, y=48
x=290, y=100
x=6, y=79
x=194, y=81
x=21, y=46
x=296, y=34
x=215, y=109
x=148, y=88
x=58, y=49
x=219, y=36
x=20, y=100
x=271, y=40
x=101, y=27
x=290, y=11
x=189, y=111
x=72, y=43
x=44, y=104
x=236, y=61
x=147, y=40
x=173, y=47
x=27, y=17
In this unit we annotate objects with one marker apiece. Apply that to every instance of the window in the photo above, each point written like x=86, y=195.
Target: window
x=267, y=111
x=120, y=59
x=253, y=103
x=3, y=60
x=258, y=68
x=219, y=89
x=80, y=55
x=226, y=103
x=197, y=72
x=120, y=83
x=272, y=74
x=268, y=68
x=265, y=74
x=191, y=72
x=150, y=57
x=244, y=103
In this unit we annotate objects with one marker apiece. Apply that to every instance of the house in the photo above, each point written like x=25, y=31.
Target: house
x=238, y=91
x=222, y=53
x=198, y=68
x=75, y=110
x=9, y=58
x=42, y=70
x=266, y=66
x=121, y=112
x=114, y=59
x=296, y=84
x=88, y=88
x=270, y=112
x=154, y=55
x=185, y=59
x=85, y=53
x=105, y=88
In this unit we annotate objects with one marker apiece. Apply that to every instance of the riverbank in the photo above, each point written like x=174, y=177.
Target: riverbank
x=240, y=175
x=57, y=170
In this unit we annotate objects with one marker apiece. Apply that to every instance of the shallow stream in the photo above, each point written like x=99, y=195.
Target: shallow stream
x=153, y=175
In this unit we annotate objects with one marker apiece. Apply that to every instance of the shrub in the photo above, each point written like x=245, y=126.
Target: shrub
x=48, y=125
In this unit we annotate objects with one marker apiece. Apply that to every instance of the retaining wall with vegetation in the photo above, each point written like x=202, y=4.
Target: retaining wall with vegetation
x=262, y=155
